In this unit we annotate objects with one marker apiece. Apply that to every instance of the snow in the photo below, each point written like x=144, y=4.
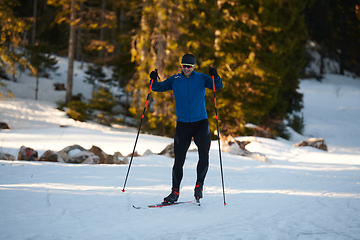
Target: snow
x=305, y=193
x=25, y=85
x=332, y=111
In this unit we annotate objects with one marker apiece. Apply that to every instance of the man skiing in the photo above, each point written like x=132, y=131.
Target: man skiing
x=192, y=121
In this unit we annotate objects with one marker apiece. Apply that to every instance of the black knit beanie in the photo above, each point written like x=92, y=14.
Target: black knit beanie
x=188, y=59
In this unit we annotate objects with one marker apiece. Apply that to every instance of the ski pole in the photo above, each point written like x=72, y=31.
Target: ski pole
x=137, y=136
x=217, y=125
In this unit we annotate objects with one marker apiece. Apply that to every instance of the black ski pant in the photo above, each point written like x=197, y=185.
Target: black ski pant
x=184, y=133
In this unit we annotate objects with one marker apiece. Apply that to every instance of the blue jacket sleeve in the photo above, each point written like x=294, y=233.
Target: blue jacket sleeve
x=163, y=86
x=209, y=82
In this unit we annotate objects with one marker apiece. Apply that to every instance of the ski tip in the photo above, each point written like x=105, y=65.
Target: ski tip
x=123, y=190
x=225, y=204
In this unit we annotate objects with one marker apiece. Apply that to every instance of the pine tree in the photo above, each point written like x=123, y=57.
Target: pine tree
x=95, y=74
x=258, y=47
x=288, y=99
x=103, y=101
x=166, y=32
x=346, y=34
x=87, y=20
x=261, y=47
x=95, y=22
x=71, y=53
x=40, y=62
x=334, y=25
x=319, y=27
x=69, y=8
x=11, y=28
x=150, y=50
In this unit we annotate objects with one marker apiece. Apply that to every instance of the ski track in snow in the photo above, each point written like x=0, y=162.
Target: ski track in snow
x=299, y=202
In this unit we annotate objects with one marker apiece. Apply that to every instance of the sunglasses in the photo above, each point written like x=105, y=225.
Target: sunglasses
x=187, y=65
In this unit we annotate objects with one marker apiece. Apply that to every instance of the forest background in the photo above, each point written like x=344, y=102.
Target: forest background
x=260, y=49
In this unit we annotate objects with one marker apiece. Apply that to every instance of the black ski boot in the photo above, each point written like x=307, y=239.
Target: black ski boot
x=198, y=191
x=173, y=196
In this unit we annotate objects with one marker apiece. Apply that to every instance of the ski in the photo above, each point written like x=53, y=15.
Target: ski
x=164, y=204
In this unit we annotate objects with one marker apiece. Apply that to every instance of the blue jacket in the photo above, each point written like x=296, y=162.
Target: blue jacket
x=189, y=94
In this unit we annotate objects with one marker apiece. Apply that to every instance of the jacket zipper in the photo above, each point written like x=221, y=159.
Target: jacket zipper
x=189, y=97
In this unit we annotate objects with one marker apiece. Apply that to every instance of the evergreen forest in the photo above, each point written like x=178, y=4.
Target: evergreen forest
x=259, y=48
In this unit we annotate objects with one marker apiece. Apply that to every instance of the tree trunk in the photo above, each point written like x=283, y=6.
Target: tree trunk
x=34, y=24
x=160, y=55
x=126, y=105
x=121, y=26
x=79, y=35
x=322, y=53
x=37, y=86
x=102, y=21
x=71, y=53
x=343, y=45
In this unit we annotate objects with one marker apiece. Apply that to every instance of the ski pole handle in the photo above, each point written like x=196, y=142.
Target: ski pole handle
x=147, y=99
x=213, y=79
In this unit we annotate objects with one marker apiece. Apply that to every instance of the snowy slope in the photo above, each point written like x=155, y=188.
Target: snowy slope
x=332, y=111
x=25, y=85
x=304, y=194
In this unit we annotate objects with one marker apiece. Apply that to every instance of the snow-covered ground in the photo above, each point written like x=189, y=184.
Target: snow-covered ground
x=332, y=109
x=304, y=194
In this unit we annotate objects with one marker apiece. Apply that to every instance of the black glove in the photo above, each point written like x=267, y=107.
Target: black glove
x=154, y=75
x=213, y=72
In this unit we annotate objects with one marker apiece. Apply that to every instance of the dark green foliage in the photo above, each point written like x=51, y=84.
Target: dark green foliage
x=12, y=27
x=262, y=48
x=5, y=93
x=41, y=59
x=102, y=100
x=95, y=73
x=296, y=122
x=123, y=70
x=334, y=26
x=61, y=105
x=78, y=110
x=41, y=62
x=258, y=48
x=281, y=131
x=163, y=54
